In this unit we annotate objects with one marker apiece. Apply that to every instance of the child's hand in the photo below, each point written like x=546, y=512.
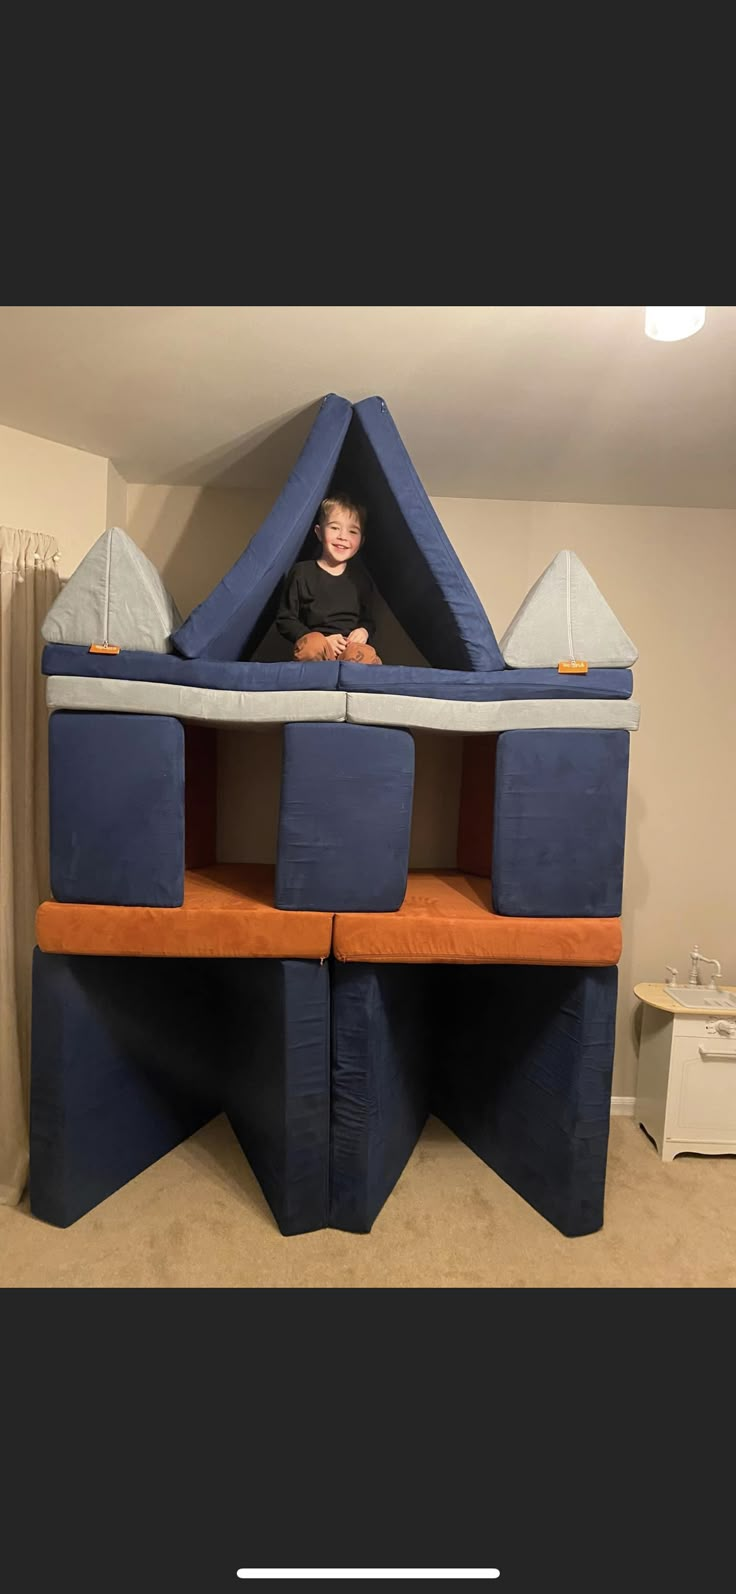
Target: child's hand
x=336, y=645
x=361, y=635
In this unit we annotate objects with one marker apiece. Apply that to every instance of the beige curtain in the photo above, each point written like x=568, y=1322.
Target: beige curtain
x=29, y=582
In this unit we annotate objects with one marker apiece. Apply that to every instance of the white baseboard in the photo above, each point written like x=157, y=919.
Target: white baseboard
x=623, y=1106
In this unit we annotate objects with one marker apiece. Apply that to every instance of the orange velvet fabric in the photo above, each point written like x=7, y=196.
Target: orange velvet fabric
x=447, y=918
x=227, y=913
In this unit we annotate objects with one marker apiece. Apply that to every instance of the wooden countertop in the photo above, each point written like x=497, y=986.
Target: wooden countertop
x=656, y=995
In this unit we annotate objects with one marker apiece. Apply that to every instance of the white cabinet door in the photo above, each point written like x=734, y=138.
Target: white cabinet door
x=702, y=1093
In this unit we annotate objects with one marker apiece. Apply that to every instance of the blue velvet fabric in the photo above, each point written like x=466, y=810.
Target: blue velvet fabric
x=559, y=823
x=381, y=1041
x=463, y=686
x=116, y=788
x=121, y=1072
x=407, y=551
x=345, y=818
x=277, y=1024
x=523, y=1076
x=483, y=686
x=132, y=1055
x=231, y=622
x=61, y=659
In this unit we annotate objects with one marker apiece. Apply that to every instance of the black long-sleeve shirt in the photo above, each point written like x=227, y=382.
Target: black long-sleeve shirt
x=313, y=600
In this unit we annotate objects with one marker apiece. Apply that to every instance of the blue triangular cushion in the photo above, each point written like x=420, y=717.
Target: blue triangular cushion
x=409, y=555
x=407, y=552
x=230, y=623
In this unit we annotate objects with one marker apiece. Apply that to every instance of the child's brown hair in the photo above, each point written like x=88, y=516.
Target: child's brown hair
x=343, y=501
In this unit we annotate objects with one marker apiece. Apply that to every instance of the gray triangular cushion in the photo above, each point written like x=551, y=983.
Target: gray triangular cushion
x=115, y=595
x=564, y=616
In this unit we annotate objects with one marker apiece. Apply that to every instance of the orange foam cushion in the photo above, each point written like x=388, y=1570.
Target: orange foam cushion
x=447, y=918
x=227, y=913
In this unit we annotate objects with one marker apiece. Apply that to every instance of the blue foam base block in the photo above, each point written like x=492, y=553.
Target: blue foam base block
x=118, y=1074
x=131, y=1055
x=522, y=1075
x=276, y=1026
x=381, y=1043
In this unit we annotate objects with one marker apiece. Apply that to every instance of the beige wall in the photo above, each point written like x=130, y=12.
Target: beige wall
x=116, y=511
x=248, y=790
x=193, y=534
x=668, y=574
x=50, y=488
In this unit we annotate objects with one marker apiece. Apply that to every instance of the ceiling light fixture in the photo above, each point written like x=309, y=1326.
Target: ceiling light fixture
x=667, y=323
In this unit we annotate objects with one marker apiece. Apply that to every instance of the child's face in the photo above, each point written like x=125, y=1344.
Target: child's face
x=341, y=537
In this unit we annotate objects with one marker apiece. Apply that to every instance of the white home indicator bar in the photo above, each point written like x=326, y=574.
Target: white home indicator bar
x=491, y=1571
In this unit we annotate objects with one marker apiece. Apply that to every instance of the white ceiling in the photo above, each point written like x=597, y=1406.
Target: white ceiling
x=568, y=403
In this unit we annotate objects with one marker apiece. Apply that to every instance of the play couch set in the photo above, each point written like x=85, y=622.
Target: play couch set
x=330, y=1003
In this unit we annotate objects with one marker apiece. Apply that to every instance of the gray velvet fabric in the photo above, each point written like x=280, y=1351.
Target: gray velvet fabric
x=219, y=707
x=212, y=705
x=564, y=616
x=439, y=714
x=117, y=596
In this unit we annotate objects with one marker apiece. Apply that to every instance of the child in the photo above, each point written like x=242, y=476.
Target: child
x=327, y=609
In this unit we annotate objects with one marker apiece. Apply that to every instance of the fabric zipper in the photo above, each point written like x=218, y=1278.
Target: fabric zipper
x=568, y=573
x=106, y=628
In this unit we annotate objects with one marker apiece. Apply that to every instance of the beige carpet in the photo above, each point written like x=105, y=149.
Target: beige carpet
x=197, y=1218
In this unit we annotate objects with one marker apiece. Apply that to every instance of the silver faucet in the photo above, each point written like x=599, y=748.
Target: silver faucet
x=696, y=958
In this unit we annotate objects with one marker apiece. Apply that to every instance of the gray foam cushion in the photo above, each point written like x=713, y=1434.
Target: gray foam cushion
x=564, y=616
x=116, y=596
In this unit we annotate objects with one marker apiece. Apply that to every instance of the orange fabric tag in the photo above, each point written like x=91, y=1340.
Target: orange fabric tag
x=103, y=647
x=572, y=667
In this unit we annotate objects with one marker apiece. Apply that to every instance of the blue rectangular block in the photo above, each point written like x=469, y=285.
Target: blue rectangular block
x=559, y=823
x=116, y=793
x=345, y=818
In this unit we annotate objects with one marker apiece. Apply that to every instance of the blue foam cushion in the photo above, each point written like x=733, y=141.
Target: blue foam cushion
x=58, y=659
x=523, y=1076
x=131, y=1055
x=116, y=789
x=233, y=619
x=559, y=823
x=121, y=1071
x=277, y=1097
x=345, y=818
x=483, y=686
x=408, y=553
x=382, y=1042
